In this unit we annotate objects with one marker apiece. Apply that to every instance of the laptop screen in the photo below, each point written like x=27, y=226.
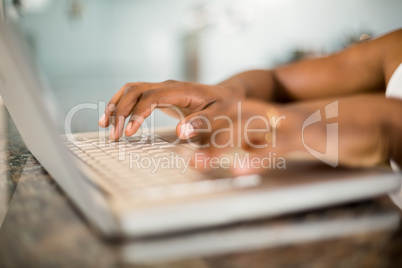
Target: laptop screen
x=33, y=112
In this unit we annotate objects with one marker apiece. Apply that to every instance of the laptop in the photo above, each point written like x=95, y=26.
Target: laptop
x=300, y=230
x=120, y=199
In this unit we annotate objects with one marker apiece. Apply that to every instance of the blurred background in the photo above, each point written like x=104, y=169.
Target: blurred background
x=88, y=49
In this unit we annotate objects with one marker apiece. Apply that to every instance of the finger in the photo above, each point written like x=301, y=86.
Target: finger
x=110, y=108
x=123, y=110
x=196, y=123
x=104, y=121
x=150, y=100
x=116, y=129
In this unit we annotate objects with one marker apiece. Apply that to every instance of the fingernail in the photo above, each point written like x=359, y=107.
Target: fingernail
x=129, y=127
x=102, y=119
x=186, y=130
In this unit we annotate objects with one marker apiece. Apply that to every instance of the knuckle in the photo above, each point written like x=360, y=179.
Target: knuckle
x=111, y=107
x=138, y=112
x=128, y=85
x=122, y=112
x=170, y=81
x=130, y=88
x=148, y=94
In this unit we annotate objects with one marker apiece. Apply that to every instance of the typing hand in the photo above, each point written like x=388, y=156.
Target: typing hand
x=195, y=101
x=262, y=131
x=354, y=131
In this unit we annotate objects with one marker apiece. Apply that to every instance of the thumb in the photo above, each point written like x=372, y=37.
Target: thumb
x=194, y=124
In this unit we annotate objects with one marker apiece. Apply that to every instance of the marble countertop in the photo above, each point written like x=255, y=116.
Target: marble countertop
x=40, y=228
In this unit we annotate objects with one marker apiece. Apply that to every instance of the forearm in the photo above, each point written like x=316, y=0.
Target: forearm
x=371, y=124
x=362, y=68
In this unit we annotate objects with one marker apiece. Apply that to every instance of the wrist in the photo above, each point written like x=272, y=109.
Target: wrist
x=232, y=90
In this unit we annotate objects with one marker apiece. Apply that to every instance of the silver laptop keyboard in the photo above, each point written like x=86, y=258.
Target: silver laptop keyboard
x=152, y=164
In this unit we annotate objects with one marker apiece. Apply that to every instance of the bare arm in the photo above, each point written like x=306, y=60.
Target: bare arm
x=361, y=68
x=368, y=132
